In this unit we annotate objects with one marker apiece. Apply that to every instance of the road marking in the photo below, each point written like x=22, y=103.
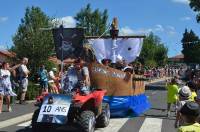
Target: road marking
x=15, y=120
x=25, y=124
x=151, y=125
x=114, y=125
x=154, y=92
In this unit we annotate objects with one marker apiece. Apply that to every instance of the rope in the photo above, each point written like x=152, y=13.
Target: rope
x=105, y=31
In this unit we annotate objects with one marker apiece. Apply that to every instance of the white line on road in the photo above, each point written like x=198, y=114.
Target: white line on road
x=151, y=125
x=25, y=124
x=154, y=92
x=16, y=120
x=114, y=125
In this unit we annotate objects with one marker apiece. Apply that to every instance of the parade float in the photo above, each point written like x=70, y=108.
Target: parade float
x=125, y=91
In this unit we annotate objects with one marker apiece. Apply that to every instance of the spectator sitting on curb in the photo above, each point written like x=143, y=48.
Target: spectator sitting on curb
x=189, y=113
x=184, y=96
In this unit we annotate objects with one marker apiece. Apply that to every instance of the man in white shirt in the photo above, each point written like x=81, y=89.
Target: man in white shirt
x=23, y=79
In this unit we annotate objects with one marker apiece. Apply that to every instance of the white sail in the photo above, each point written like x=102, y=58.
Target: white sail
x=123, y=48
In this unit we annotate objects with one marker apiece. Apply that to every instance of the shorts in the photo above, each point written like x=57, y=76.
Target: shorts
x=44, y=84
x=23, y=85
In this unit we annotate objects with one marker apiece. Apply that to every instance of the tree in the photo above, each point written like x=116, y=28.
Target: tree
x=191, y=47
x=94, y=22
x=153, y=53
x=195, y=5
x=29, y=41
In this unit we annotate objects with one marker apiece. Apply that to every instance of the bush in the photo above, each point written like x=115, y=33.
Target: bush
x=33, y=91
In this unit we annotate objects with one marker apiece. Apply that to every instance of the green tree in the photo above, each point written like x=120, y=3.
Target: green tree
x=153, y=53
x=191, y=47
x=94, y=22
x=195, y=5
x=30, y=41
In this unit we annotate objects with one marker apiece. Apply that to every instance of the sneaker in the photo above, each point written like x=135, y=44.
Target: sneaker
x=10, y=109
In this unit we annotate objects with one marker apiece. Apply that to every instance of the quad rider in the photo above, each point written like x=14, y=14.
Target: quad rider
x=77, y=78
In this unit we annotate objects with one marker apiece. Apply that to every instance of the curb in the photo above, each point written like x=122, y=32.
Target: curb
x=158, y=80
x=16, y=120
x=27, y=101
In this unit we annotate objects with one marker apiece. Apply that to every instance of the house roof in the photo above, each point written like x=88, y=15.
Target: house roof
x=57, y=61
x=181, y=56
x=7, y=53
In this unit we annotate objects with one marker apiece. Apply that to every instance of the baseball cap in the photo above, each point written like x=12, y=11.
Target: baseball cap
x=190, y=108
x=185, y=92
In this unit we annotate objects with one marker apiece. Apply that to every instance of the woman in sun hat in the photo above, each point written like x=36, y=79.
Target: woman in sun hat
x=184, y=96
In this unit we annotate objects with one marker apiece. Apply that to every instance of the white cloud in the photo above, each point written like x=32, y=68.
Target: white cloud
x=68, y=21
x=128, y=31
x=3, y=19
x=181, y=1
x=185, y=18
x=170, y=27
x=2, y=47
x=170, y=30
x=159, y=28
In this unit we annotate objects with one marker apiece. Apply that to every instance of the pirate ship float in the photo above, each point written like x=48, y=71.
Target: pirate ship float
x=125, y=92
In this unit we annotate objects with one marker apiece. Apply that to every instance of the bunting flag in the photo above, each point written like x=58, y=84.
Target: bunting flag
x=120, y=49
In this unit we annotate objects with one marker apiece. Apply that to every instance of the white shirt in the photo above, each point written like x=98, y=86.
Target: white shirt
x=23, y=69
x=5, y=73
x=51, y=75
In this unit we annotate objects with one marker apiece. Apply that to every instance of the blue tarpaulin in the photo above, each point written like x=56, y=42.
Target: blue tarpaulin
x=121, y=106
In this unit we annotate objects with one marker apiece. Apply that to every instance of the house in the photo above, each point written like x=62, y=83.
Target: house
x=177, y=59
x=5, y=55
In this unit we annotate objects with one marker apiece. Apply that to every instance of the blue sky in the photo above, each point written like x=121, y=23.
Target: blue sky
x=166, y=18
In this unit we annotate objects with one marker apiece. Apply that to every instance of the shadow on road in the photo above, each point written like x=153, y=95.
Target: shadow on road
x=68, y=128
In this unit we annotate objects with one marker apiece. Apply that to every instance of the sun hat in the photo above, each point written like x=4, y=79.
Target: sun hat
x=190, y=108
x=185, y=92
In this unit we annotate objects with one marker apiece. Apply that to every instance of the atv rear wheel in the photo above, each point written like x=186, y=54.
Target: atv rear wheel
x=87, y=121
x=104, y=118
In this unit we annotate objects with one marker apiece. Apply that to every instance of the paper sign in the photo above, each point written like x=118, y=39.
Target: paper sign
x=55, y=109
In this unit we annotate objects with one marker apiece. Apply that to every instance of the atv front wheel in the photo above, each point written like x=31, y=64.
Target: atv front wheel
x=38, y=126
x=87, y=121
x=104, y=118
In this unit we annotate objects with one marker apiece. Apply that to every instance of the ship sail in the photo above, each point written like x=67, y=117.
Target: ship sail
x=125, y=48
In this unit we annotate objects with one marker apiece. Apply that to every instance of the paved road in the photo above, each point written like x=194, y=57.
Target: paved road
x=154, y=120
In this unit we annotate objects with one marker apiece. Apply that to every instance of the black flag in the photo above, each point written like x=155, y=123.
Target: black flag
x=70, y=40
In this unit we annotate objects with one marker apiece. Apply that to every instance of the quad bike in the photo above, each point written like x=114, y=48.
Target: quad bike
x=87, y=110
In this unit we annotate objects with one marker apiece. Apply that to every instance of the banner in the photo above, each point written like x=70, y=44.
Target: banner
x=121, y=49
